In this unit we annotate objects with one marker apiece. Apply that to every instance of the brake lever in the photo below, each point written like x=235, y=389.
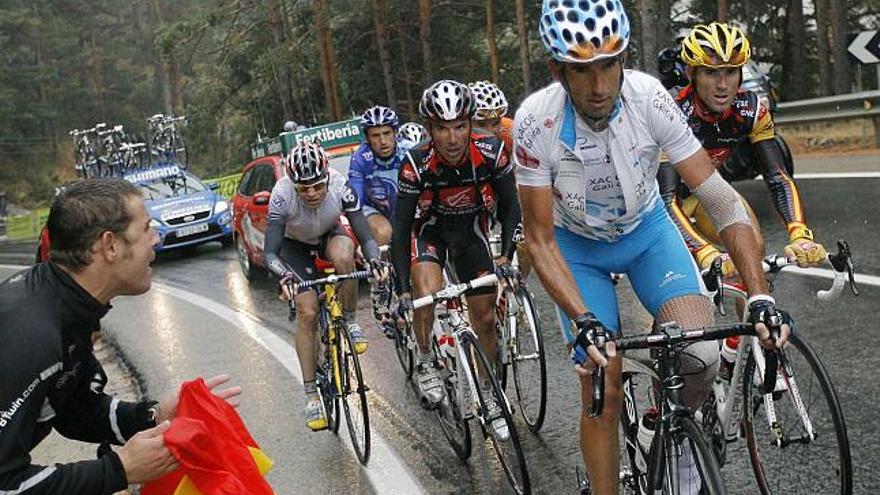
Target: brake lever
x=598, y=392
x=291, y=305
x=718, y=271
x=843, y=261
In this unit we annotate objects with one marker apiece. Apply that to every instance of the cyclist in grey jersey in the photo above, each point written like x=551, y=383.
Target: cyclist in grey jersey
x=304, y=222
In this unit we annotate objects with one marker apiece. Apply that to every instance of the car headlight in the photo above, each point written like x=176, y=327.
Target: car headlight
x=220, y=206
x=155, y=223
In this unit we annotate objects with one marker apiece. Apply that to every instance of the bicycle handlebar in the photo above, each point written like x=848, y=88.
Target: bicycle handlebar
x=293, y=287
x=669, y=335
x=841, y=262
x=455, y=290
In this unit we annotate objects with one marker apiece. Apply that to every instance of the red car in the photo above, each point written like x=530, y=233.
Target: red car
x=250, y=207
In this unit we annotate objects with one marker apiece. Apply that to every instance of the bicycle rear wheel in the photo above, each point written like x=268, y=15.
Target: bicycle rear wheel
x=509, y=451
x=822, y=463
x=529, y=365
x=688, y=459
x=354, y=397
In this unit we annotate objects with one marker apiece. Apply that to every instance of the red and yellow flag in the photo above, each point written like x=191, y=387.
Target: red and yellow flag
x=217, y=454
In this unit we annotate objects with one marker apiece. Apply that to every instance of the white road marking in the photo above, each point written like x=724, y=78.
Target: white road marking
x=833, y=175
x=829, y=274
x=386, y=472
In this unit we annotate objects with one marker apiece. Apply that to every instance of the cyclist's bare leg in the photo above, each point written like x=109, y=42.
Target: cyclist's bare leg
x=340, y=251
x=525, y=259
x=600, y=445
x=306, y=330
x=481, y=311
x=427, y=278
x=380, y=228
x=699, y=362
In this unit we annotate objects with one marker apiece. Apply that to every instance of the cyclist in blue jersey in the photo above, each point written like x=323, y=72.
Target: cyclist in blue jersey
x=374, y=167
x=587, y=151
x=373, y=176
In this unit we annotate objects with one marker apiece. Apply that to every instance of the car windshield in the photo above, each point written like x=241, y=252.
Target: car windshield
x=169, y=187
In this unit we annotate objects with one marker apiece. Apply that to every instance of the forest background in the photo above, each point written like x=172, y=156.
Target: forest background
x=239, y=68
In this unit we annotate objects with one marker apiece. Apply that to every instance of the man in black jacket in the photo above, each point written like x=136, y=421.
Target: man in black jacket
x=102, y=247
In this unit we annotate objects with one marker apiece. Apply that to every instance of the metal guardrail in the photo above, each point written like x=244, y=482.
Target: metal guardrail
x=854, y=105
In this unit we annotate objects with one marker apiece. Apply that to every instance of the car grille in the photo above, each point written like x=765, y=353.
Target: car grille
x=199, y=215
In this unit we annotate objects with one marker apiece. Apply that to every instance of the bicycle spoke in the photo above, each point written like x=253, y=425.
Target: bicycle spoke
x=509, y=452
x=354, y=399
x=529, y=366
x=805, y=439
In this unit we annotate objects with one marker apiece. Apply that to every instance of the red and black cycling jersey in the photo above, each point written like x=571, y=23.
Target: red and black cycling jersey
x=742, y=144
x=451, y=196
x=746, y=119
x=455, y=193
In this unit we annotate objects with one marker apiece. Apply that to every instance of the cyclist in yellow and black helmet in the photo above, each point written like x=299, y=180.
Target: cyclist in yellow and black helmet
x=737, y=131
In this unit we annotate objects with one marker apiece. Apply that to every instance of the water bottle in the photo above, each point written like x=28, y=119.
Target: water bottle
x=728, y=357
x=647, y=427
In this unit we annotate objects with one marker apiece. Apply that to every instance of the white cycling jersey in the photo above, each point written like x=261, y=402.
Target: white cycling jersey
x=309, y=225
x=603, y=182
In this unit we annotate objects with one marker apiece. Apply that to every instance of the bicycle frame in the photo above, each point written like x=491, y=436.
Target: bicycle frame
x=466, y=381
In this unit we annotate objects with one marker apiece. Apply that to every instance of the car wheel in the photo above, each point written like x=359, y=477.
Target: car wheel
x=250, y=270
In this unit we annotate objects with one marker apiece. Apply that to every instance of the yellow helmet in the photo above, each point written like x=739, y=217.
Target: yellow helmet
x=728, y=46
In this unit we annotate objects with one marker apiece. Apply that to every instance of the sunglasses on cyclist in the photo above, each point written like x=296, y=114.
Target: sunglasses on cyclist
x=317, y=186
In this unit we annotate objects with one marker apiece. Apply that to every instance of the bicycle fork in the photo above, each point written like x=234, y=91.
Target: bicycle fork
x=790, y=387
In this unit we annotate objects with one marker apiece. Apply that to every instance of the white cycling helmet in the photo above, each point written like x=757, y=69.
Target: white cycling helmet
x=585, y=30
x=447, y=100
x=307, y=162
x=489, y=99
x=412, y=131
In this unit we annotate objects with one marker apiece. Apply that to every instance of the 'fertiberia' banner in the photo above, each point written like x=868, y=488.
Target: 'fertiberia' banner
x=336, y=138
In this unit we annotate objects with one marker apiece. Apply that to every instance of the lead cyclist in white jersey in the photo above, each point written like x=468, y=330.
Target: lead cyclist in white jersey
x=587, y=151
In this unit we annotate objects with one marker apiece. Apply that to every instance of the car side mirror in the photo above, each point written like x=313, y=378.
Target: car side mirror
x=262, y=198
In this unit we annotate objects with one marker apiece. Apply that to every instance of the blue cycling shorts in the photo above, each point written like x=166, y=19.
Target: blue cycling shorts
x=654, y=258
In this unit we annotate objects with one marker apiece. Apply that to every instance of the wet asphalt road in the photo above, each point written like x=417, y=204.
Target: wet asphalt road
x=169, y=336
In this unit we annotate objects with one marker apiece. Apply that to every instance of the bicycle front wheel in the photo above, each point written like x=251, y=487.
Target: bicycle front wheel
x=405, y=349
x=452, y=413
x=529, y=365
x=786, y=457
x=509, y=451
x=354, y=397
x=689, y=461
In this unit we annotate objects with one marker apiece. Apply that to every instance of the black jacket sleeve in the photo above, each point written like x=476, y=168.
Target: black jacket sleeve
x=509, y=211
x=362, y=231
x=102, y=476
x=401, y=247
x=272, y=246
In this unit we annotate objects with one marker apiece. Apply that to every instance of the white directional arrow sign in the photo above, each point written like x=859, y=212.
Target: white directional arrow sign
x=859, y=48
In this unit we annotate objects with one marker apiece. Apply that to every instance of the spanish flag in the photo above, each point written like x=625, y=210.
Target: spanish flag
x=216, y=453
